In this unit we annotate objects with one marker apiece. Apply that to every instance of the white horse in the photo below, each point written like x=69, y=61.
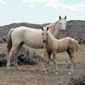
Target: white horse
x=30, y=37
x=59, y=25
x=54, y=46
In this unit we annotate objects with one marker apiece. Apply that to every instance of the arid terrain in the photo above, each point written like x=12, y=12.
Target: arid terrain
x=33, y=75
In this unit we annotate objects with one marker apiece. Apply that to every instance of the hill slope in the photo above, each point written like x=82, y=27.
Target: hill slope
x=75, y=29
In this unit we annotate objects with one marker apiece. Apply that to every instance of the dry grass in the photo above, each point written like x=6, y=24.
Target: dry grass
x=33, y=75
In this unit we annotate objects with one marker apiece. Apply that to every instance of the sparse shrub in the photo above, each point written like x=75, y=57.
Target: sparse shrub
x=1, y=40
x=3, y=60
x=83, y=41
x=26, y=59
x=22, y=58
x=4, y=39
x=77, y=81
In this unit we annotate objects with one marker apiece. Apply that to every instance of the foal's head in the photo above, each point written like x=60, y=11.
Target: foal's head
x=45, y=33
x=62, y=22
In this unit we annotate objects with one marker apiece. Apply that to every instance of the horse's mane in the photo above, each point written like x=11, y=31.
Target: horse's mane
x=53, y=27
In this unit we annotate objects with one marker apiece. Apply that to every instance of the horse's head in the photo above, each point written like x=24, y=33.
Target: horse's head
x=62, y=22
x=45, y=33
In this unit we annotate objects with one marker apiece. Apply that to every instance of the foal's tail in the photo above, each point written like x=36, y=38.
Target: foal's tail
x=9, y=41
x=77, y=45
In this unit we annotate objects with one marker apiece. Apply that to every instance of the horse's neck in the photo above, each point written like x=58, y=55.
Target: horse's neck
x=54, y=28
x=50, y=39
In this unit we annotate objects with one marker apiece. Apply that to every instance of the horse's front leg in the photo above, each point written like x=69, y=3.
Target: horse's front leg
x=17, y=52
x=46, y=61
x=16, y=63
x=55, y=63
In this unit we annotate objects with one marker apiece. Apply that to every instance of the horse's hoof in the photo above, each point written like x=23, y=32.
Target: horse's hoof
x=18, y=68
x=56, y=73
x=8, y=67
x=44, y=71
x=70, y=73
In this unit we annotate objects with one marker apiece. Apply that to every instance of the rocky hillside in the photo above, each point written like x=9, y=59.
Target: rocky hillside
x=5, y=29
x=75, y=29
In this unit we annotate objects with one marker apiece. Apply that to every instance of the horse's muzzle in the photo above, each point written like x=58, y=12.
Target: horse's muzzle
x=44, y=41
x=63, y=31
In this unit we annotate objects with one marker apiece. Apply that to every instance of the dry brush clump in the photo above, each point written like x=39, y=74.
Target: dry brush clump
x=78, y=80
x=25, y=58
x=3, y=60
x=22, y=58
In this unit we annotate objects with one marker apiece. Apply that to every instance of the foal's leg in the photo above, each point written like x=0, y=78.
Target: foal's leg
x=54, y=60
x=71, y=55
x=48, y=59
x=48, y=55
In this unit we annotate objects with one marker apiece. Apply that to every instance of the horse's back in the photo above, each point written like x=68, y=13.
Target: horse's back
x=21, y=30
x=29, y=36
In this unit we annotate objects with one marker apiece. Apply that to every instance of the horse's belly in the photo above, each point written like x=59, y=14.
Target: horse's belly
x=33, y=39
x=34, y=44
x=61, y=49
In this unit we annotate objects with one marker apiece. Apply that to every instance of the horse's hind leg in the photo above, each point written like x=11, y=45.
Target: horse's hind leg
x=71, y=55
x=11, y=53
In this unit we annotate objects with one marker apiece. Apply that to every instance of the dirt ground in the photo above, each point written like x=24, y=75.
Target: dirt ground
x=33, y=75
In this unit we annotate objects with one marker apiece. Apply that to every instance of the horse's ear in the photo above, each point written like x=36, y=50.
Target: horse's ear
x=47, y=28
x=59, y=17
x=65, y=17
x=42, y=28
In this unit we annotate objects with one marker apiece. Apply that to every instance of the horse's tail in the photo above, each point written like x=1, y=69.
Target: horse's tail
x=77, y=45
x=9, y=41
